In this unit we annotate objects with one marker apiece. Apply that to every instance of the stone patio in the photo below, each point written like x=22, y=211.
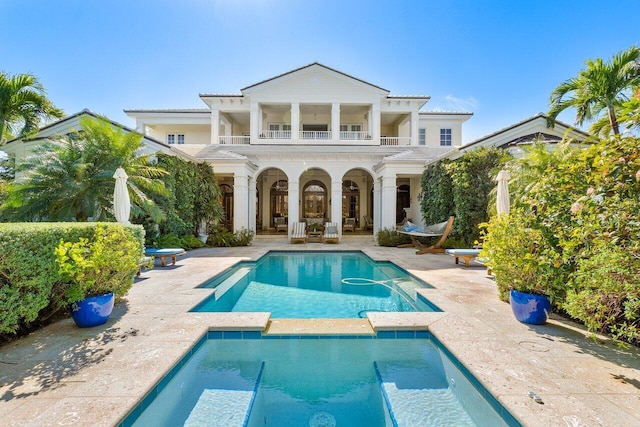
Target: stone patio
x=64, y=375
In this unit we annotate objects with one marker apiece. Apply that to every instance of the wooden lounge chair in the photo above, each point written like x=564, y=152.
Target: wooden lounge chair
x=466, y=254
x=368, y=222
x=163, y=254
x=442, y=229
x=331, y=233
x=299, y=234
x=349, y=225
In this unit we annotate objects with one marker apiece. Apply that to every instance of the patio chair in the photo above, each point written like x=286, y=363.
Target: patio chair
x=331, y=233
x=299, y=234
x=349, y=224
x=280, y=224
x=442, y=229
x=368, y=222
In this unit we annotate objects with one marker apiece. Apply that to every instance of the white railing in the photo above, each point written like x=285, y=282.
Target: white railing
x=354, y=135
x=235, y=140
x=275, y=134
x=312, y=134
x=395, y=140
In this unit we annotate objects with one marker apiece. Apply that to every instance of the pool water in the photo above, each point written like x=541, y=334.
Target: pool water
x=315, y=285
x=395, y=379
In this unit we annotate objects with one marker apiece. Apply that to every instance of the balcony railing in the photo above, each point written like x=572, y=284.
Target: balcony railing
x=395, y=140
x=275, y=134
x=354, y=135
x=315, y=134
x=235, y=140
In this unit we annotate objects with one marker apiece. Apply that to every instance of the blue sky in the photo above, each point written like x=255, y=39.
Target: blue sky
x=497, y=59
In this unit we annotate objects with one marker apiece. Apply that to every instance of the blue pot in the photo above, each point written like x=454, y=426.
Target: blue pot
x=92, y=311
x=530, y=308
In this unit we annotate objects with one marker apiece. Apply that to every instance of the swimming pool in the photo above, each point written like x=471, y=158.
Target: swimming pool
x=343, y=284
x=248, y=379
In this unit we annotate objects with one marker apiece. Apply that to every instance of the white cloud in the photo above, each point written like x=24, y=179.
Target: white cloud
x=452, y=103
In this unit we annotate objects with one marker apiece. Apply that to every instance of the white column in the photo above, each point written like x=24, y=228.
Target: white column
x=414, y=127
x=336, y=204
x=240, y=199
x=254, y=122
x=388, y=200
x=140, y=127
x=375, y=122
x=377, y=204
x=335, y=123
x=294, y=204
x=251, y=181
x=295, y=121
x=215, y=126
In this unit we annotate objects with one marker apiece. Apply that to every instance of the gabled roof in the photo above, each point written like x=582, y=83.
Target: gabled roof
x=316, y=64
x=524, y=138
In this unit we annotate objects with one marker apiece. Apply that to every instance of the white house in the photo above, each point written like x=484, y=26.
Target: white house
x=313, y=144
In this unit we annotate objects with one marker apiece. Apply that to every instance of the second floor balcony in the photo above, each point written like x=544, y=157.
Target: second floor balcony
x=306, y=137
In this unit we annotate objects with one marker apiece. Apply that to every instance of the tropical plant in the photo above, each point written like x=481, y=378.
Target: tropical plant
x=23, y=105
x=106, y=263
x=601, y=86
x=391, y=238
x=222, y=237
x=71, y=178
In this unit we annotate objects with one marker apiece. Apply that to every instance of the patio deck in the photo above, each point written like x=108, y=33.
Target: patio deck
x=64, y=375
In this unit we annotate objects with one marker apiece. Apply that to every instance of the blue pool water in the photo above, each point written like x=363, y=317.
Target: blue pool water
x=246, y=379
x=315, y=285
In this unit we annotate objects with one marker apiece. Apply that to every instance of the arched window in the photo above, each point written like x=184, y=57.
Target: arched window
x=315, y=200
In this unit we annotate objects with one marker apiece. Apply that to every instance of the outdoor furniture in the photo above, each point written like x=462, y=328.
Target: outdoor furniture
x=368, y=222
x=280, y=223
x=299, y=234
x=442, y=229
x=163, y=254
x=466, y=254
x=331, y=233
x=349, y=224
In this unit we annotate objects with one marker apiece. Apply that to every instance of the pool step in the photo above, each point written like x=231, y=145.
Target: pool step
x=224, y=407
x=414, y=398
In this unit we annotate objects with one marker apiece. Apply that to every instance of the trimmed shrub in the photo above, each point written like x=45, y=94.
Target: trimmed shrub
x=221, y=237
x=391, y=238
x=31, y=287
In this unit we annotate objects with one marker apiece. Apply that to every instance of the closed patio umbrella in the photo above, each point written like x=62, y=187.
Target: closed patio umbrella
x=502, y=200
x=121, y=202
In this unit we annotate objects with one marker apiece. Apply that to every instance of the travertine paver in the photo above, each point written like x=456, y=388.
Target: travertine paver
x=64, y=375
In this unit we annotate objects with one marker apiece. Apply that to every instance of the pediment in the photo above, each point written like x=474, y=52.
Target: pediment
x=314, y=81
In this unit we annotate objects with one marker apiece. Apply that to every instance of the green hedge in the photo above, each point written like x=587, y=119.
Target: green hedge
x=31, y=288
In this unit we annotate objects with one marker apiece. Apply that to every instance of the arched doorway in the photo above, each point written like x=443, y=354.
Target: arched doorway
x=314, y=197
x=226, y=191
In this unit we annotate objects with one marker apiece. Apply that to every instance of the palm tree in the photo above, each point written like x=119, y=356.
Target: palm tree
x=71, y=178
x=601, y=86
x=23, y=105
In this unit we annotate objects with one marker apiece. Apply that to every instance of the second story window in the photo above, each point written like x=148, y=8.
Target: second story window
x=171, y=138
x=422, y=136
x=445, y=137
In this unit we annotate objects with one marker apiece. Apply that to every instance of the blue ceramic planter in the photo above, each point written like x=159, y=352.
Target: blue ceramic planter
x=530, y=308
x=93, y=311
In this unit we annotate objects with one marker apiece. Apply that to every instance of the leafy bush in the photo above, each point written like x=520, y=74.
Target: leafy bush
x=31, y=287
x=221, y=237
x=462, y=188
x=191, y=242
x=583, y=204
x=168, y=241
x=105, y=263
x=391, y=238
